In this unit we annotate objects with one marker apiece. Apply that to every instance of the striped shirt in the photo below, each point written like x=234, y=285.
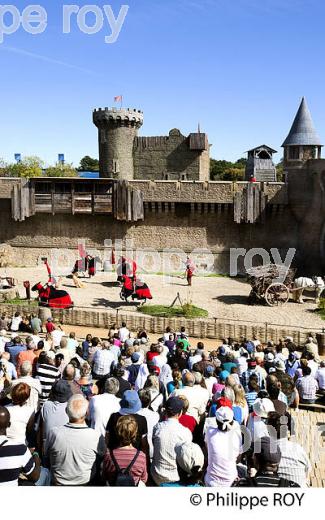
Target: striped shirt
x=47, y=375
x=14, y=459
x=294, y=464
x=123, y=458
x=264, y=479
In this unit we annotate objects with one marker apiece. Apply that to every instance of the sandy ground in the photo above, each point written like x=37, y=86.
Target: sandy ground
x=223, y=298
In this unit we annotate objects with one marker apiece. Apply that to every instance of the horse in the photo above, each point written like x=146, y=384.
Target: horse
x=51, y=297
x=303, y=284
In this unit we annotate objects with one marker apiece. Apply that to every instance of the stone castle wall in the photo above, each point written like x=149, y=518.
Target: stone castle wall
x=169, y=157
x=188, y=215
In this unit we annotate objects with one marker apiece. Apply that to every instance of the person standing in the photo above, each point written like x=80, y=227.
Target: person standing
x=190, y=268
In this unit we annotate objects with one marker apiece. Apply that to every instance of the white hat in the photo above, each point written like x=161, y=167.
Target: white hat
x=280, y=365
x=225, y=416
x=3, y=332
x=262, y=407
x=50, y=354
x=269, y=356
x=189, y=455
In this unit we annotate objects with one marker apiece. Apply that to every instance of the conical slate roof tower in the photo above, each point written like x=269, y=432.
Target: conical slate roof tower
x=303, y=131
x=303, y=142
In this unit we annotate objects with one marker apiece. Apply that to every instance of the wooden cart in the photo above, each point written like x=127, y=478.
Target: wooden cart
x=270, y=284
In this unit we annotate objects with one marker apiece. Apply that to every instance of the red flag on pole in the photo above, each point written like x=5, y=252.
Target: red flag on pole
x=118, y=99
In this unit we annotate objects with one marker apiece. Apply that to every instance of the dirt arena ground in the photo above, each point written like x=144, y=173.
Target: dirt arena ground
x=223, y=298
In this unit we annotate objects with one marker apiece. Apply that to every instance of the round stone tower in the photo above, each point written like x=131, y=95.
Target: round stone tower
x=117, y=129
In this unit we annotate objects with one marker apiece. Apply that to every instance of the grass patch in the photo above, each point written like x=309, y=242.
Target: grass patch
x=321, y=308
x=187, y=311
x=20, y=301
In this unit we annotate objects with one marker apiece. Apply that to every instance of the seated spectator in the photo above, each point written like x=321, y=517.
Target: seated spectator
x=69, y=375
x=196, y=395
x=294, y=464
x=151, y=416
x=102, y=406
x=85, y=381
x=167, y=435
x=267, y=458
x=125, y=455
x=253, y=390
x=320, y=377
x=157, y=398
x=22, y=415
x=102, y=361
x=14, y=348
x=120, y=374
x=129, y=405
x=53, y=412
x=257, y=421
x=75, y=451
x=15, y=457
x=7, y=367
x=186, y=420
x=176, y=383
x=224, y=447
x=26, y=371
x=190, y=463
x=307, y=386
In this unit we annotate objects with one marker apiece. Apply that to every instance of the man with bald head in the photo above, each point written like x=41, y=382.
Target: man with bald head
x=74, y=450
x=15, y=458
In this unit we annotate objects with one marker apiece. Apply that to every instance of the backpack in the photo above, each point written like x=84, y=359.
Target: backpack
x=123, y=477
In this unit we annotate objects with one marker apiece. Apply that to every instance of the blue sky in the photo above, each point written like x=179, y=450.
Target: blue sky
x=239, y=67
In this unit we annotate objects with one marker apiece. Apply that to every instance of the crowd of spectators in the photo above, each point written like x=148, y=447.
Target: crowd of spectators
x=123, y=411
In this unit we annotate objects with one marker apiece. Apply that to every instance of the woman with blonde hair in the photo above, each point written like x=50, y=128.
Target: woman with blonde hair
x=240, y=401
x=157, y=398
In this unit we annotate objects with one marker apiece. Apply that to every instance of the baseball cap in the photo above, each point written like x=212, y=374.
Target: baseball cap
x=270, y=356
x=174, y=405
x=269, y=451
x=188, y=456
x=262, y=407
x=225, y=416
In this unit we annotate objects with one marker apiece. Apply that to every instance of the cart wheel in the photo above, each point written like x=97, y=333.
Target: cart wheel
x=277, y=294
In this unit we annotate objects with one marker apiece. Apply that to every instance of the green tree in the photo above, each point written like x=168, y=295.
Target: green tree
x=88, y=164
x=31, y=166
x=227, y=171
x=279, y=171
x=61, y=170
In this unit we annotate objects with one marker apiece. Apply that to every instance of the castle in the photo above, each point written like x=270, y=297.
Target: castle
x=155, y=192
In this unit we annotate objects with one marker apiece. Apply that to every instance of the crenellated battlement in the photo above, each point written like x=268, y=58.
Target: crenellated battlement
x=118, y=116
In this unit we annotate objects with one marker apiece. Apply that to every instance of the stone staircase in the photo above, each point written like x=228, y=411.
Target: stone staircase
x=309, y=435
